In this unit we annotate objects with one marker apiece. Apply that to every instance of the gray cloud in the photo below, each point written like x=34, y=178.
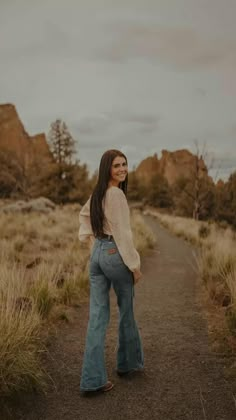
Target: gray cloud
x=182, y=47
x=201, y=92
x=141, y=76
x=92, y=125
x=223, y=164
x=233, y=130
x=131, y=117
x=106, y=123
x=120, y=40
x=225, y=161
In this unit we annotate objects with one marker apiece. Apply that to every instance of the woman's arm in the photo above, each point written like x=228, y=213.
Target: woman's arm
x=85, y=229
x=118, y=220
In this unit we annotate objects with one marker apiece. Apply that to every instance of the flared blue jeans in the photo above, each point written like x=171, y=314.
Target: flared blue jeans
x=107, y=268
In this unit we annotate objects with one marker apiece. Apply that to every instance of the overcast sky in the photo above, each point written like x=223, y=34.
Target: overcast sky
x=140, y=76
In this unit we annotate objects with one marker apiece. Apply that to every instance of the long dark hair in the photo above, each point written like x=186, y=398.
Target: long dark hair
x=104, y=175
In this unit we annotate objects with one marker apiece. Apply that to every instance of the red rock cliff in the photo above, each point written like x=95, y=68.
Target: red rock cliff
x=171, y=165
x=13, y=137
x=148, y=167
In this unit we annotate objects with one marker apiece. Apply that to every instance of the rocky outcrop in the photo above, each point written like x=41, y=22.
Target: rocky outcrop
x=148, y=167
x=180, y=163
x=15, y=139
x=220, y=184
x=40, y=205
x=171, y=165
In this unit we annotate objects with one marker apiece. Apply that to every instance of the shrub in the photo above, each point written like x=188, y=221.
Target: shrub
x=204, y=231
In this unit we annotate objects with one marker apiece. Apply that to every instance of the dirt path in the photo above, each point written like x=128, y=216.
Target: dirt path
x=182, y=378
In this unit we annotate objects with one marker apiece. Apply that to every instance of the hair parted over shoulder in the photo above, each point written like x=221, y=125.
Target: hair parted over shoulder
x=104, y=174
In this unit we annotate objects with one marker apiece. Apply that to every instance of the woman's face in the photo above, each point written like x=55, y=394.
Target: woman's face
x=119, y=170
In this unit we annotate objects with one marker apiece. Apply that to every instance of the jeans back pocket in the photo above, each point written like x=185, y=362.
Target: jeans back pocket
x=114, y=257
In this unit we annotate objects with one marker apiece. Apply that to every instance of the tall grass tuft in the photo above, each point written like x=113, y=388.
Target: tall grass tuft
x=44, y=287
x=143, y=236
x=20, y=335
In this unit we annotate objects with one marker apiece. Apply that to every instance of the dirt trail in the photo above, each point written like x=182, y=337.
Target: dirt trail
x=183, y=379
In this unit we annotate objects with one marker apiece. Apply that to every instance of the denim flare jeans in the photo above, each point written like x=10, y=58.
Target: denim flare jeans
x=107, y=268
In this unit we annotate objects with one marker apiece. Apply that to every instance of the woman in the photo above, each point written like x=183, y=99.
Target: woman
x=114, y=261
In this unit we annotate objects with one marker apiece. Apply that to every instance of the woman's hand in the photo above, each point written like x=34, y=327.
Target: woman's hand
x=137, y=275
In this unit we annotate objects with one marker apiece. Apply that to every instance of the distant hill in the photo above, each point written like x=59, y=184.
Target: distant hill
x=172, y=165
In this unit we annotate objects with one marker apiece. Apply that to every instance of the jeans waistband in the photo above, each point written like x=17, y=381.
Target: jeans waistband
x=108, y=238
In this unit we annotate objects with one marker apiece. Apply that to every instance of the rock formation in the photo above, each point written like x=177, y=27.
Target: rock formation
x=40, y=205
x=15, y=139
x=172, y=165
x=220, y=184
x=148, y=167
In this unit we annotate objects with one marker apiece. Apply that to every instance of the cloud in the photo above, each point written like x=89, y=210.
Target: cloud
x=224, y=164
x=111, y=123
x=92, y=125
x=141, y=76
x=182, y=47
x=131, y=117
x=233, y=130
x=201, y=92
x=225, y=161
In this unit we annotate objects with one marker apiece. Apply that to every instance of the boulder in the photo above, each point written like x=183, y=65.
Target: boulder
x=41, y=205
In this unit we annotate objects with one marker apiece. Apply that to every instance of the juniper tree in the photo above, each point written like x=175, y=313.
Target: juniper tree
x=61, y=143
x=68, y=180
x=194, y=193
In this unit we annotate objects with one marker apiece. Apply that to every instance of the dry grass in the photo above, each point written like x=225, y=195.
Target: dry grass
x=19, y=331
x=216, y=259
x=143, y=236
x=43, y=268
x=180, y=226
x=41, y=262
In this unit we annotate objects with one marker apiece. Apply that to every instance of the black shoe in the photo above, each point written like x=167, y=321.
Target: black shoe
x=123, y=373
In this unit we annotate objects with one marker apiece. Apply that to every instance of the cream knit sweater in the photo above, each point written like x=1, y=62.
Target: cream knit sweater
x=117, y=224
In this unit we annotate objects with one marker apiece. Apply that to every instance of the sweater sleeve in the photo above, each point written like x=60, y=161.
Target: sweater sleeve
x=118, y=219
x=85, y=229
